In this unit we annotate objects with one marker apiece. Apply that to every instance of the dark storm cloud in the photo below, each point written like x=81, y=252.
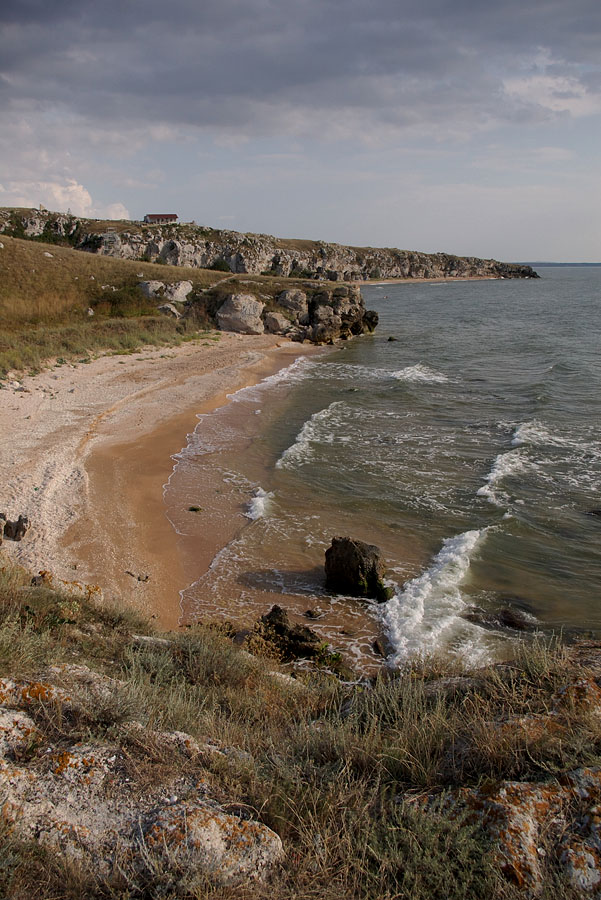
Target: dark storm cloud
x=283, y=65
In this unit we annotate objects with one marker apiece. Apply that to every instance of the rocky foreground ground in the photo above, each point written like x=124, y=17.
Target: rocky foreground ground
x=182, y=765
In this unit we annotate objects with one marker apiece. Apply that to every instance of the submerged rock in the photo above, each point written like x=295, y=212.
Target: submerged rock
x=506, y=617
x=356, y=568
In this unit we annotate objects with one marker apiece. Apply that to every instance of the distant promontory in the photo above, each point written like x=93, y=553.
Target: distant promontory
x=199, y=246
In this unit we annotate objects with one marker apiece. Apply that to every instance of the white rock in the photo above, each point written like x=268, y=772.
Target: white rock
x=241, y=313
x=205, y=839
x=178, y=291
x=49, y=255
x=168, y=309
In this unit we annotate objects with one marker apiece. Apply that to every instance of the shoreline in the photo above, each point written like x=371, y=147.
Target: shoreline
x=439, y=280
x=89, y=451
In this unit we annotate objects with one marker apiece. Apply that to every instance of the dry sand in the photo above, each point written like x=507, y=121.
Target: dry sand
x=85, y=451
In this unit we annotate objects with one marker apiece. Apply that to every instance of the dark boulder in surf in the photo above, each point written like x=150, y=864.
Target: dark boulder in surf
x=356, y=568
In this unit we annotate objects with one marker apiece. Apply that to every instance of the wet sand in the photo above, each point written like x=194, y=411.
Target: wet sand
x=87, y=449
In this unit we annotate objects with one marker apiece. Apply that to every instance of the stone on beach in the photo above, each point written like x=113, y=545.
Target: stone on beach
x=13, y=531
x=292, y=641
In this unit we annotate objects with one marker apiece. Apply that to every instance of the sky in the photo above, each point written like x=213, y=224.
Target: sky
x=466, y=126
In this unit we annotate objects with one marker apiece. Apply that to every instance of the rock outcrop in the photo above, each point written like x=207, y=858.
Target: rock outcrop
x=241, y=313
x=176, y=292
x=533, y=823
x=318, y=315
x=356, y=568
x=78, y=800
x=198, y=246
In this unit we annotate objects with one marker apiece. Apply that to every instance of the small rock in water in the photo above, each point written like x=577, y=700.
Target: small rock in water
x=594, y=512
x=506, y=617
x=392, y=338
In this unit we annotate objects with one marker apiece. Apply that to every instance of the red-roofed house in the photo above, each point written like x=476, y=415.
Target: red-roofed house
x=160, y=218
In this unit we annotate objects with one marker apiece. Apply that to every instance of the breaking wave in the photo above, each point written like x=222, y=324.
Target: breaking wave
x=428, y=608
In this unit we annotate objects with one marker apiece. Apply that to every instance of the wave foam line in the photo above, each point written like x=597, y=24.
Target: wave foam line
x=420, y=373
x=291, y=374
x=301, y=451
x=512, y=462
x=429, y=606
x=259, y=505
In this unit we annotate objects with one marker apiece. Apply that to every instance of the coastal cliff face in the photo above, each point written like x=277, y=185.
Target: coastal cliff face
x=253, y=254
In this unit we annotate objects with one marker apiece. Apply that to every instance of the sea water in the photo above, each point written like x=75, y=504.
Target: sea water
x=468, y=450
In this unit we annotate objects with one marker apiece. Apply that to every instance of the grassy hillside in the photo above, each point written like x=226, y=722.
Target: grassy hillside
x=46, y=291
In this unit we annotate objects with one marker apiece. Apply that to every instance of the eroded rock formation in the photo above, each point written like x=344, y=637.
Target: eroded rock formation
x=197, y=246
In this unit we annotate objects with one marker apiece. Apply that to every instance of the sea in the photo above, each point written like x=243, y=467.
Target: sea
x=462, y=437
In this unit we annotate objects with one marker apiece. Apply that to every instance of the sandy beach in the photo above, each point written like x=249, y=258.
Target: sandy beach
x=86, y=450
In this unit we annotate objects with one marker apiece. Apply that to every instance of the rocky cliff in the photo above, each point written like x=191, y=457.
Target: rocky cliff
x=254, y=254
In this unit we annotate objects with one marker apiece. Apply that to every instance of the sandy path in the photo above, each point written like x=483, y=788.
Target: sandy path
x=85, y=450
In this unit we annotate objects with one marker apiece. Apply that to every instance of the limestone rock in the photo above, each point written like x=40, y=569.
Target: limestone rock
x=178, y=291
x=525, y=819
x=152, y=289
x=241, y=313
x=296, y=302
x=196, y=246
x=276, y=323
x=18, y=732
x=168, y=309
x=175, y=292
x=76, y=798
x=356, y=568
x=207, y=840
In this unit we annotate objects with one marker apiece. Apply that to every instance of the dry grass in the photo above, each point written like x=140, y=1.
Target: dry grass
x=44, y=303
x=325, y=764
x=37, y=289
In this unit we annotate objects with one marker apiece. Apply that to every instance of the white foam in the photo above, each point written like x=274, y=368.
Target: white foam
x=292, y=374
x=537, y=435
x=511, y=463
x=428, y=608
x=420, y=373
x=259, y=505
x=318, y=429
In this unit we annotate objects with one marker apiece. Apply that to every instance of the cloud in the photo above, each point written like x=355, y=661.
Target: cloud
x=60, y=197
x=273, y=68
x=558, y=94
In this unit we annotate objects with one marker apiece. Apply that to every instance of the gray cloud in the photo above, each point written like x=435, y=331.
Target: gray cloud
x=289, y=67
